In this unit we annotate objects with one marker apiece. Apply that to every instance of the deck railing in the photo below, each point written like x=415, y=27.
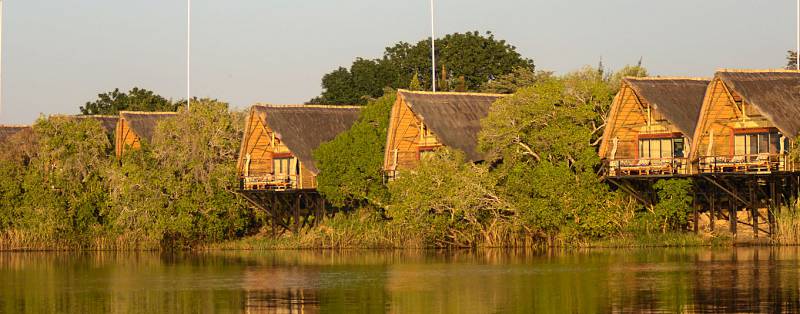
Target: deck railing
x=647, y=167
x=269, y=182
x=757, y=163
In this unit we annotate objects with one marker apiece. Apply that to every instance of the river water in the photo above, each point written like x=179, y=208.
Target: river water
x=484, y=281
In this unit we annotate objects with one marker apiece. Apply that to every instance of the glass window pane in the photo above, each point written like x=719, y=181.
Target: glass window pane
x=678, y=147
x=739, y=145
x=644, y=148
x=774, y=143
x=752, y=144
x=763, y=143
x=655, y=148
x=666, y=148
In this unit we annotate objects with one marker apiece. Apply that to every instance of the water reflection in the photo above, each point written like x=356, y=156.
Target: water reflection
x=487, y=281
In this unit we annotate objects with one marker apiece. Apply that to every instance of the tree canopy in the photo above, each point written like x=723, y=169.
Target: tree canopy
x=465, y=62
x=136, y=99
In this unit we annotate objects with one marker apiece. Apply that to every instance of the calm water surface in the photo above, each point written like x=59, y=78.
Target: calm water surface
x=489, y=281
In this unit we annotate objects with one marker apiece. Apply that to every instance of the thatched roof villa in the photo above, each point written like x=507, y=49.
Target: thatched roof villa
x=276, y=151
x=651, y=125
x=747, y=120
x=134, y=127
x=423, y=121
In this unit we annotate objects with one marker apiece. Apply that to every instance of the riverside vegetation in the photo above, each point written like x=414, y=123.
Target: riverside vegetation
x=62, y=188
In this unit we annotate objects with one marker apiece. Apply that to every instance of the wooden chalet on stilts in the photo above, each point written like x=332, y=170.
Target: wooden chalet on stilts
x=423, y=121
x=276, y=166
x=134, y=127
x=649, y=130
x=742, y=142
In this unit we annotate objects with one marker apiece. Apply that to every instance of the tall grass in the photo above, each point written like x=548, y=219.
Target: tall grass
x=788, y=223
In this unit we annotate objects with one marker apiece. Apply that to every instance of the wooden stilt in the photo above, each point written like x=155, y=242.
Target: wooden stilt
x=696, y=215
x=296, y=225
x=773, y=206
x=712, y=211
x=754, y=210
x=732, y=219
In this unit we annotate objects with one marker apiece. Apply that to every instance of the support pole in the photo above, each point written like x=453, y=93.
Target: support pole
x=732, y=219
x=753, y=210
x=696, y=215
x=296, y=225
x=712, y=219
x=433, y=50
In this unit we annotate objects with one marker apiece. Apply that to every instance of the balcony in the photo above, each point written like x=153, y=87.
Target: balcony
x=269, y=182
x=647, y=167
x=758, y=163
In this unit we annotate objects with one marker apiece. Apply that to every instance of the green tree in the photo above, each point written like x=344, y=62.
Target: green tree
x=674, y=203
x=477, y=57
x=448, y=201
x=543, y=134
x=509, y=83
x=136, y=99
x=191, y=197
x=65, y=193
x=351, y=164
x=415, y=84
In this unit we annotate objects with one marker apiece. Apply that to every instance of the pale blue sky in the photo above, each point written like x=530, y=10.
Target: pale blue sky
x=60, y=54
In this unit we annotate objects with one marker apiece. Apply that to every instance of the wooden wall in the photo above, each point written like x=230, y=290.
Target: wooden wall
x=630, y=120
x=405, y=138
x=258, y=143
x=125, y=138
x=721, y=114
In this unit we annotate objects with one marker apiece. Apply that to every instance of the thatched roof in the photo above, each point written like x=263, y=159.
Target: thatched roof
x=109, y=123
x=144, y=123
x=7, y=131
x=678, y=99
x=776, y=94
x=304, y=127
x=455, y=118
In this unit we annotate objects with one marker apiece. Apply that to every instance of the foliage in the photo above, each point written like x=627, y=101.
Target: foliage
x=468, y=60
x=791, y=60
x=191, y=198
x=351, y=165
x=415, y=84
x=544, y=134
x=509, y=83
x=61, y=188
x=448, y=201
x=61, y=194
x=136, y=99
x=674, y=204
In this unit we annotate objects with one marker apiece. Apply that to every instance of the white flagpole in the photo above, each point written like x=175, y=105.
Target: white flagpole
x=433, y=51
x=797, y=51
x=1, y=56
x=189, y=55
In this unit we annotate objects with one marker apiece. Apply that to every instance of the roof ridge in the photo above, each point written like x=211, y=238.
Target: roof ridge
x=14, y=126
x=667, y=78
x=757, y=70
x=95, y=116
x=147, y=112
x=305, y=106
x=451, y=93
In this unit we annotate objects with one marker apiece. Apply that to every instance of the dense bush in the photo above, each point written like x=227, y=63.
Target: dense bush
x=61, y=186
x=351, y=165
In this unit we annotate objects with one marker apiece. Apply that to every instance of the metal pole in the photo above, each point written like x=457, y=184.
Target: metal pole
x=433, y=51
x=1, y=56
x=189, y=55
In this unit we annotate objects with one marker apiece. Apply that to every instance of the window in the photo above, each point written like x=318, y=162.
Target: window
x=284, y=167
x=758, y=143
x=657, y=148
